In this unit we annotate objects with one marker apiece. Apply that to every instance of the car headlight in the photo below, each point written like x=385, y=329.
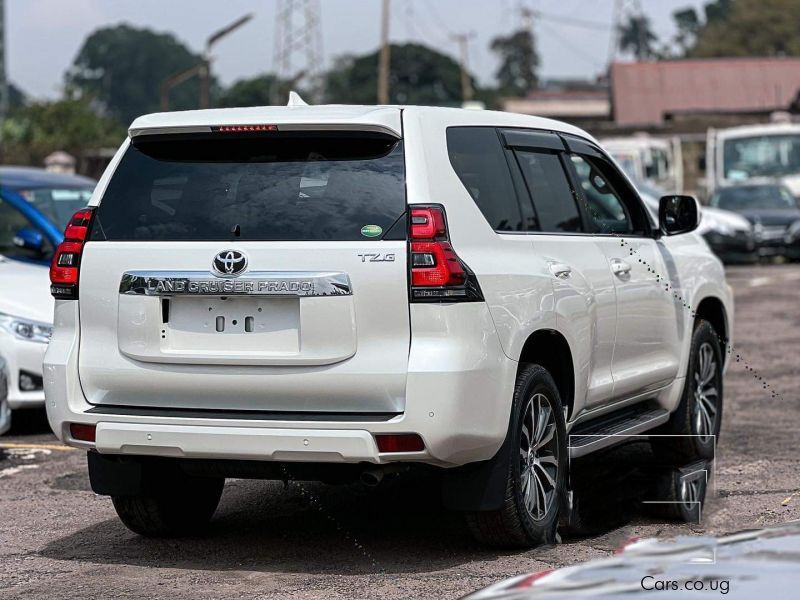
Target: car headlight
x=25, y=329
x=792, y=233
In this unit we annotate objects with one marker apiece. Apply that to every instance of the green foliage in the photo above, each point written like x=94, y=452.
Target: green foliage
x=33, y=131
x=122, y=68
x=518, y=62
x=749, y=28
x=262, y=90
x=417, y=75
x=636, y=36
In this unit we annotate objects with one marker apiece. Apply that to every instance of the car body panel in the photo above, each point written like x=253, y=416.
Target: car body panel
x=748, y=564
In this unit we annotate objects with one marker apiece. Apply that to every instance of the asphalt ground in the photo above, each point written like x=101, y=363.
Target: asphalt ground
x=59, y=540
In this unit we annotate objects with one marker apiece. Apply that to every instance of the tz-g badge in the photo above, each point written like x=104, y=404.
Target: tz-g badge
x=375, y=257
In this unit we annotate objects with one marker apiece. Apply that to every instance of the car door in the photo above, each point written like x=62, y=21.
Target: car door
x=584, y=292
x=647, y=350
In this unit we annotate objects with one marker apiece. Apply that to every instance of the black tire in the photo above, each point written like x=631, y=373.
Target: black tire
x=514, y=524
x=681, y=439
x=181, y=507
x=680, y=493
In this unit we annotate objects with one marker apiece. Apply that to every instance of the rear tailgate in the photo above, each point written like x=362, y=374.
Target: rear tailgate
x=261, y=271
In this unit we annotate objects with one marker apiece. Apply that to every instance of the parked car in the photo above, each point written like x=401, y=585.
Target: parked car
x=729, y=235
x=35, y=205
x=5, y=410
x=26, y=317
x=773, y=211
x=759, y=563
x=336, y=292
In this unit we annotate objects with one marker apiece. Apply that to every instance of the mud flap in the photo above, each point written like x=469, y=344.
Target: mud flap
x=479, y=486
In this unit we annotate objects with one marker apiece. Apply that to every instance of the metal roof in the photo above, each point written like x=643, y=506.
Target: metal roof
x=644, y=93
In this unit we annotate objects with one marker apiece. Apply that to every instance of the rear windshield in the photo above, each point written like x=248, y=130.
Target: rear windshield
x=282, y=187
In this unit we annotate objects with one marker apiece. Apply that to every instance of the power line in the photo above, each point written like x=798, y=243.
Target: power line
x=298, y=40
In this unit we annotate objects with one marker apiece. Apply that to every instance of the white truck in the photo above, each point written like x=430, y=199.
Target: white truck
x=655, y=161
x=753, y=152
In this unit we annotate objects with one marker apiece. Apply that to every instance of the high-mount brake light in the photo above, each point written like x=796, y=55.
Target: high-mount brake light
x=437, y=274
x=244, y=128
x=65, y=267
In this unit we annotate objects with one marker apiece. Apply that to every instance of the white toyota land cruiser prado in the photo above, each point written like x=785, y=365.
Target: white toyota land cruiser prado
x=335, y=292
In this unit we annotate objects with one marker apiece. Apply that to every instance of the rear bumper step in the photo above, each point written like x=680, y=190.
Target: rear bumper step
x=614, y=429
x=244, y=443
x=243, y=415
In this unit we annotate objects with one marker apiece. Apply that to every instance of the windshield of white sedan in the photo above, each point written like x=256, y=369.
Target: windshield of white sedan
x=761, y=156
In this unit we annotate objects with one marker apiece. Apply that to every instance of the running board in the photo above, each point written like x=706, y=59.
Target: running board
x=586, y=438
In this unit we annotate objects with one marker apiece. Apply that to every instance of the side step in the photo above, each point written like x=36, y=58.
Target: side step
x=612, y=429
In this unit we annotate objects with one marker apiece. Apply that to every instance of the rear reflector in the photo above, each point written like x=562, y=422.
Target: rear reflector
x=82, y=432
x=399, y=442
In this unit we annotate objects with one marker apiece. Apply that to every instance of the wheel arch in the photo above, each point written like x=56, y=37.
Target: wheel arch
x=550, y=349
x=712, y=309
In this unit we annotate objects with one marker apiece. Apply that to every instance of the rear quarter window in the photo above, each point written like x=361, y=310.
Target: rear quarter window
x=478, y=158
x=280, y=187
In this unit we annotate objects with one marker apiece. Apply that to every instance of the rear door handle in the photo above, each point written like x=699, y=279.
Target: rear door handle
x=620, y=267
x=560, y=270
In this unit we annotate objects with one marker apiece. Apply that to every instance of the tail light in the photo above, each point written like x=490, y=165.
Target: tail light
x=65, y=268
x=437, y=274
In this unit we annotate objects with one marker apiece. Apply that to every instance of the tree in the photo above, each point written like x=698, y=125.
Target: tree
x=749, y=28
x=417, y=75
x=33, y=131
x=636, y=35
x=257, y=91
x=122, y=68
x=518, y=62
x=688, y=24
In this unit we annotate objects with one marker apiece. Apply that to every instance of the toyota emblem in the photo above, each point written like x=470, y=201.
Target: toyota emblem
x=229, y=263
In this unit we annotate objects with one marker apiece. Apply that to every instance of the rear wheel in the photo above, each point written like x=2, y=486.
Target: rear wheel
x=182, y=506
x=537, y=468
x=693, y=429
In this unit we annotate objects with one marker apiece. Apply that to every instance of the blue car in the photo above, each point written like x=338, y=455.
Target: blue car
x=35, y=206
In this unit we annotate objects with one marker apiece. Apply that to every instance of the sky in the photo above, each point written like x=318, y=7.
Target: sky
x=44, y=36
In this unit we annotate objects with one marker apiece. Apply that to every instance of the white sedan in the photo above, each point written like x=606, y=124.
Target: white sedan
x=26, y=316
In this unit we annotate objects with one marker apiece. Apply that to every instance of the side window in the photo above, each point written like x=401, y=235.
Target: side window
x=549, y=187
x=605, y=208
x=11, y=222
x=479, y=161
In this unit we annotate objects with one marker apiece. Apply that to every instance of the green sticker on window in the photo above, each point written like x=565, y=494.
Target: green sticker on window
x=371, y=230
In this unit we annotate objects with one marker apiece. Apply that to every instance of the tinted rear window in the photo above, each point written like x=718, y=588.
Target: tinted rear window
x=281, y=187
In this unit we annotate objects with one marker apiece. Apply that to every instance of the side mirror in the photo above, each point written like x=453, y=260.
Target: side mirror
x=29, y=239
x=678, y=214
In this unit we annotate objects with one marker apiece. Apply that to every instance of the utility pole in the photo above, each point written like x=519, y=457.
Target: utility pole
x=4, y=100
x=298, y=44
x=385, y=56
x=463, y=45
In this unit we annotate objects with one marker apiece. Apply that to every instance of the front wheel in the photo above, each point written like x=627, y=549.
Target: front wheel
x=537, y=468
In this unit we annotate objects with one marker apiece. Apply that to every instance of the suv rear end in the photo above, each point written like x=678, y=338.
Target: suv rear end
x=252, y=289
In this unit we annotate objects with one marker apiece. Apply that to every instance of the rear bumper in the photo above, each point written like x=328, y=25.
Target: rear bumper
x=458, y=399
x=21, y=355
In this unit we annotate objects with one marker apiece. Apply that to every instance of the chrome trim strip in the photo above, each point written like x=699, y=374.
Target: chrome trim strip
x=253, y=283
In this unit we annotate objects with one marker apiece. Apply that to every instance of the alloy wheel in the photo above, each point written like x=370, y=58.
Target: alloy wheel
x=538, y=456
x=706, y=392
